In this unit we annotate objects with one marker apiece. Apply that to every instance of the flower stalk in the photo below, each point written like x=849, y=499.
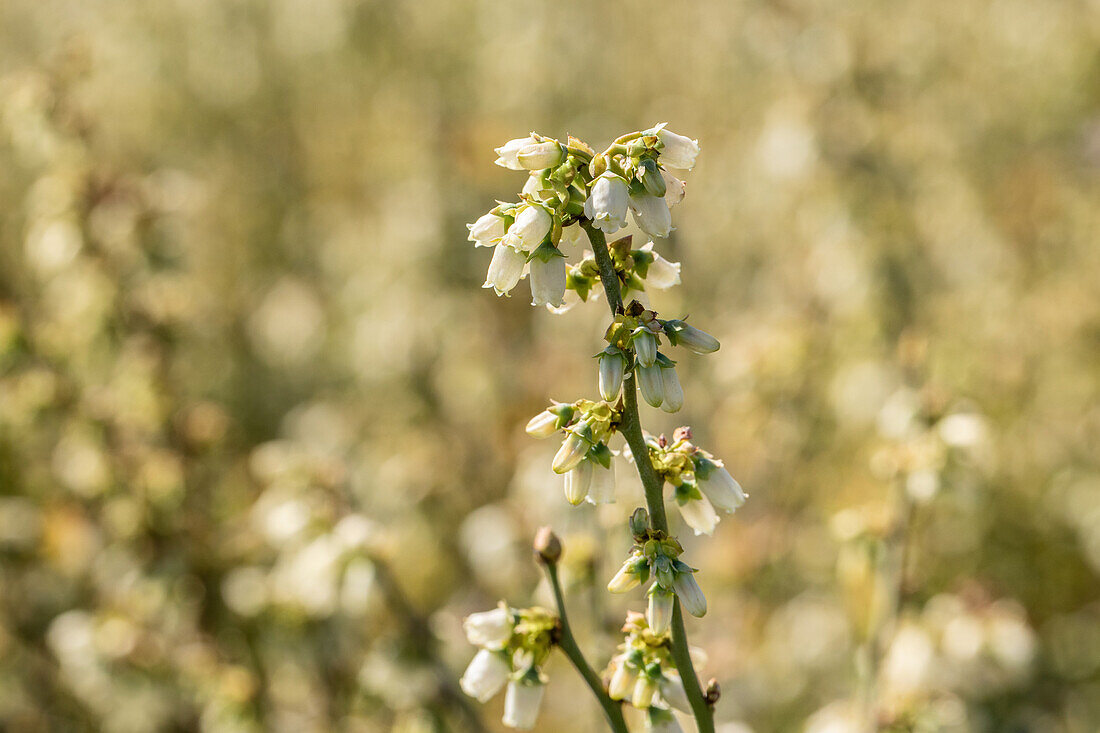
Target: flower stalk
x=631, y=429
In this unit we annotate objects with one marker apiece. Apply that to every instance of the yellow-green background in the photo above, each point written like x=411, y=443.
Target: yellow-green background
x=237, y=305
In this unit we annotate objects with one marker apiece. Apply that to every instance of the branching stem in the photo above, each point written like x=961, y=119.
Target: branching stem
x=612, y=710
x=654, y=491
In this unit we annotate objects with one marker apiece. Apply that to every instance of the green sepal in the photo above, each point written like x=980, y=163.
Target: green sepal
x=664, y=362
x=601, y=454
x=545, y=252
x=578, y=283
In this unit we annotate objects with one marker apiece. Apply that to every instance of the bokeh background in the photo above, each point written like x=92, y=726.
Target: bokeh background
x=261, y=442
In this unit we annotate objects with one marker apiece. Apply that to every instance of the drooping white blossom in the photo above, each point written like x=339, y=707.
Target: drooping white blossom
x=548, y=281
x=607, y=203
x=505, y=269
x=698, y=514
x=651, y=214
x=652, y=384
x=521, y=704
x=674, y=392
x=530, y=228
x=577, y=482
x=486, y=674
x=690, y=594
x=722, y=490
x=489, y=629
x=487, y=230
x=678, y=151
x=661, y=274
x=602, y=488
x=509, y=152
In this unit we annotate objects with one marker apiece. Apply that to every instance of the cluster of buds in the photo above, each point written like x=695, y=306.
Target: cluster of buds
x=584, y=457
x=567, y=182
x=656, y=555
x=644, y=674
x=514, y=644
x=637, y=332
x=631, y=175
x=700, y=482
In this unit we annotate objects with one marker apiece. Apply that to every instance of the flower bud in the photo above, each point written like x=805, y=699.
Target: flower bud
x=660, y=273
x=572, y=452
x=522, y=703
x=577, y=482
x=645, y=689
x=547, y=546
x=672, y=691
x=489, y=629
x=713, y=691
x=652, y=180
x=607, y=203
x=639, y=524
x=531, y=226
x=674, y=393
x=661, y=721
x=659, y=613
x=486, y=231
x=509, y=152
x=612, y=368
x=602, y=488
x=674, y=188
x=505, y=269
x=722, y=490
x=622, y=680
x=548, y=280
x=630, y=575
x=651, y=214
x=537, y=156
x=678, y=151
x=690, y=594
x=690, y=337
x=645, y=346
x=543, y=425
x=652, y=384
x=486, y=674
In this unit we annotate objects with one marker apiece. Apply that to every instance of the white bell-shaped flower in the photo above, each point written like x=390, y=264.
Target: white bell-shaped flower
x=661, y=274
x=486, y=231
x=722, y=490
x=531, y=226
x=486, y=674
x=678, y=151
x=505, y=269
x=509, y=152
x=577, y=482
x=607, y=203
x=489, y=629
x=522, y=703
x=548, y=281
x=651, y=214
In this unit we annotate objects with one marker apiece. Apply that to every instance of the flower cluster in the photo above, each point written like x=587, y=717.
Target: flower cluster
x=567, y=183
x=637, y=332
x=575, y=197
x=584, y=457
x=700, y=482
x=514, y=643
x=644, y=674
x=657, y=555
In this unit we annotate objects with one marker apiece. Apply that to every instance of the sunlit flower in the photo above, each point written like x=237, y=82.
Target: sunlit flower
x=689, y=593
x=548, y=281
x=486, y=674
x=489, y=629
x=505, y=269
x=486, y=231
x=530, y=228
x=509, y=152
x=674, y=393
x=678, y=151
x=577, y=482
x=651, y=214
x=607, y=203
x=651, y=383
x=522, y=703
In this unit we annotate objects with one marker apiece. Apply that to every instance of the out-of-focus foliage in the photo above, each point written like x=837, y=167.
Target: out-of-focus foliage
x=261, y=440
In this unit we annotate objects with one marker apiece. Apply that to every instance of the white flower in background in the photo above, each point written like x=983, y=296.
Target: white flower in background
x=661, y=721
x=530, y=228
x=698, y=513
x=509, y=152
x=486, y=231
x=674, y=188
x=577, y=482
x=607, y=203
x=622, y=679
x=602, y=488
x=672, y=691
x=505, y=269
x=574, y=239
x=661, y=274
x=720, y=488
x=521, y=703
x=678, y=151
x=548, y=281
x=486, y=674
x=651, y=214
x=674, y=393
x=645, y=690
x=489, y=629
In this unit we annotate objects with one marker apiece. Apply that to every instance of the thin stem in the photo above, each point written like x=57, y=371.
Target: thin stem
x=568, y=644
x=631, y=429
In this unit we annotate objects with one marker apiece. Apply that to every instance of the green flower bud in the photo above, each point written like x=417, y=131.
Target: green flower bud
x=652, y=384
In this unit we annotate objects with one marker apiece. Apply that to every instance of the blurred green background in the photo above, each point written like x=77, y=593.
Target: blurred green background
x=261, y=430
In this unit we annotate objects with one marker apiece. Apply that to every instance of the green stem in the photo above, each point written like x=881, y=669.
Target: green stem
x=568, y=644
x=631, y=429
